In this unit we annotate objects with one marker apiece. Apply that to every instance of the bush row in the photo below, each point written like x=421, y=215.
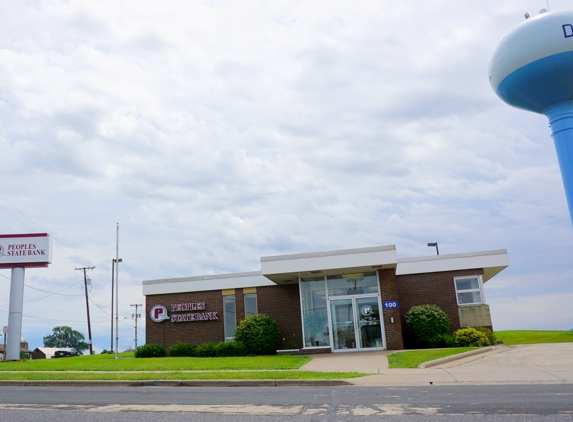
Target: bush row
x=205, y=350
x=256, y=335
x=430, y=327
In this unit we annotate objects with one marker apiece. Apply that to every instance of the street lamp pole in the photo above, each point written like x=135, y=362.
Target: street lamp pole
x=436, y=245
x=112, y=276
x=117, y=261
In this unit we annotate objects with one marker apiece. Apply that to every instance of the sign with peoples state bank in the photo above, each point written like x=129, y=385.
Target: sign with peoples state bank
x=25, y=250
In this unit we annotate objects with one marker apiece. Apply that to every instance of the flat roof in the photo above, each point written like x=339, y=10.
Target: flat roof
x=281, y=269
x=286, y=268
x=205, y=283
x=492, y=263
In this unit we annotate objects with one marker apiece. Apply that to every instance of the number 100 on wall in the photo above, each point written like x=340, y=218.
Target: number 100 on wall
x=393, y=304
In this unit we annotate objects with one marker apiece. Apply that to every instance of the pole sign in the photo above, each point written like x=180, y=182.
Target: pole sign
x=25, y=250
x=18, y=252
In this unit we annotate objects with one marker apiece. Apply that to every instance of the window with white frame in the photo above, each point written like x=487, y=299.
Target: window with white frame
x=469, y=290
x=230, y=317
x=251, y=304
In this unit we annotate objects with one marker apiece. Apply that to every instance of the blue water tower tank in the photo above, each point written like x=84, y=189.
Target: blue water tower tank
x=532, y=69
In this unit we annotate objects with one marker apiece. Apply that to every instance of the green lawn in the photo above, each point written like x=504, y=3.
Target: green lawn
x=128, y=363
x=139, y=376
x=412, y=358
x=534, y=337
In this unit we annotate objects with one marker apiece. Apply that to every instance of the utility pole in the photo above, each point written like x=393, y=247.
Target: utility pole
x=84, y=269
x=136, y=316
x=117, y=261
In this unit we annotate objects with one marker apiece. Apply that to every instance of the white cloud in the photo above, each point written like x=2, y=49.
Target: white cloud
x=218, y=132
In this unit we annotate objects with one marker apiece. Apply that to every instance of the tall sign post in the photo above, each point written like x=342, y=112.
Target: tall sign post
x=18, y=252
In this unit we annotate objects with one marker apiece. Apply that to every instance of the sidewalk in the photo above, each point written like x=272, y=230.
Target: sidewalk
x=523, y=364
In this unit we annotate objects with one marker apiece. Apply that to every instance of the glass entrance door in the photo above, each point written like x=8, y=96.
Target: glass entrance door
x=356, y=323
x=368, y=318
x=343, y=327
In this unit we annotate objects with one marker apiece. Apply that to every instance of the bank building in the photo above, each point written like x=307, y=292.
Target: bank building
x=332, y=301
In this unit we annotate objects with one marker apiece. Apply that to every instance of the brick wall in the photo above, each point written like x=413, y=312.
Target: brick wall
x=430, y=288
x=280, y=302
x=389, y=291
x=167, y=333
x=283, y=304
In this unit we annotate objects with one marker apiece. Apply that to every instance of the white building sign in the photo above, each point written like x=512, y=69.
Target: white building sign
x=25, y=250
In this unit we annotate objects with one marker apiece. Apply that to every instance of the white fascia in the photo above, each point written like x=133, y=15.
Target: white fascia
x=205, y=283
x=492, y=262
x=283, y=267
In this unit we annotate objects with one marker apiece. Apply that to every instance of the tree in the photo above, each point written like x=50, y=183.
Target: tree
x=66, y=337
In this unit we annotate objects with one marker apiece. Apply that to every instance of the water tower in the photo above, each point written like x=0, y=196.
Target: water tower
x=532, y=69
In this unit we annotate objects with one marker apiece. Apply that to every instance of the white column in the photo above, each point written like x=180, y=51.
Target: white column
x=15, y=316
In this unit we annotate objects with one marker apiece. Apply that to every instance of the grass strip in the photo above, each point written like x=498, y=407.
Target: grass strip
x=128, y=363
x=413, y=358
x=534, y=336
x=259, y=375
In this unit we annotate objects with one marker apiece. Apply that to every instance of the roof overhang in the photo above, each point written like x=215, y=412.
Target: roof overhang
x=205, y=283
x=285, y=269
x=492, y=262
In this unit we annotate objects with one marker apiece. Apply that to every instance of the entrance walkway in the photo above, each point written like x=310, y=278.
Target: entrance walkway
x=368, y=362
x=523, y=364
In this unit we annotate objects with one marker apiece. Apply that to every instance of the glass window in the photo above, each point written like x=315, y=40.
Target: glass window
x=352, y=284
x=251, y=304
x=230, y=315
x=314, y=312
x=469, y=290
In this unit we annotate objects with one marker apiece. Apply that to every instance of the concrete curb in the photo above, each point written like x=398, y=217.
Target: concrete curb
x=172, y=383
x=453, y=358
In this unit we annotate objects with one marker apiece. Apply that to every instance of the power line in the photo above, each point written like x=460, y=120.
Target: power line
x=7, y=212
x=53, y=293
x=103, y=310
x=46, y=291
x=62, y=247
x=59, y=246
x=50, y=319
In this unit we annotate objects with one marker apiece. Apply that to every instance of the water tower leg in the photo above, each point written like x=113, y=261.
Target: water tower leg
x=15, y=316
x=561, y=121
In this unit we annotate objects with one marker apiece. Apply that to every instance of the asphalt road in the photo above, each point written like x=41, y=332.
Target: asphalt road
x=444, y=403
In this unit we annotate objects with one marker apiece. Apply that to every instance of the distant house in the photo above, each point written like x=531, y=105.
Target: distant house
x=44, y=352
x=23, y=343
x=22, y=350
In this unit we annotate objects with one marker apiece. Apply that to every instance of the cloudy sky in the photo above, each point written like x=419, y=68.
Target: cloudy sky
x=217, y=132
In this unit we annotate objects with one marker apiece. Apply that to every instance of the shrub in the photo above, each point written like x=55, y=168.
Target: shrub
x=150, y=351
x=231, y=348
x=489, y=334
x=259, y=333
x=183, y=349
x=470, y=337
x=442, y=340
x=427, y=322
x=206, y=350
